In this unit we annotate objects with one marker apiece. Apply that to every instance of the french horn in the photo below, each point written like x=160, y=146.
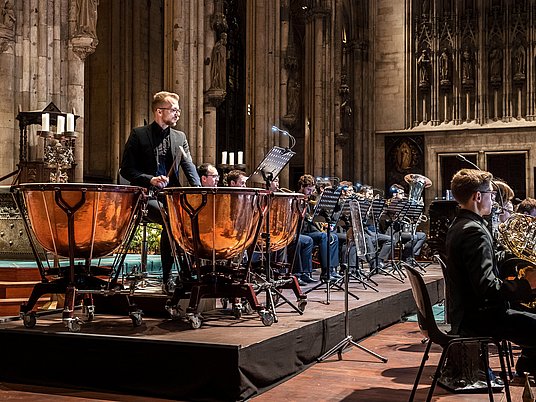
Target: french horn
x=518, y=235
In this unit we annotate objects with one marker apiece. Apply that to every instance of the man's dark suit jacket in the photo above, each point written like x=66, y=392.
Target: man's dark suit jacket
x=476, y=294
x=139, y=163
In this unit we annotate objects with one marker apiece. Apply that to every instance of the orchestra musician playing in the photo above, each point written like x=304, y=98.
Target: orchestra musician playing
x=329, y=260
x=411, y=239
x=152, y=156
x=479, y=301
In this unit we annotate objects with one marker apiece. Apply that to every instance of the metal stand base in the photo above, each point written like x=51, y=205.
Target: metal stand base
x=345, y=343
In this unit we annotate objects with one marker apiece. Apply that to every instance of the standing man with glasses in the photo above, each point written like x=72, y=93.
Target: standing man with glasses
x=478, y=299
x=151, y=159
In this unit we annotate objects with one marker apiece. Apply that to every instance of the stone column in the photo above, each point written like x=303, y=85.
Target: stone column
x=318, y=94
x=184, y=69
x=83, y=41
x=8, y=132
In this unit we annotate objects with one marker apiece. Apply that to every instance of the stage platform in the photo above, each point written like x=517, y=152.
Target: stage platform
x=226, y=359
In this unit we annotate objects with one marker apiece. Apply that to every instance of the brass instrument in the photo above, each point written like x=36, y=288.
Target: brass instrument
x=417, y=183
x=518, y=234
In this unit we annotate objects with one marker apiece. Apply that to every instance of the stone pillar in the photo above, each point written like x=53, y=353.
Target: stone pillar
x=184, y=69
x=263, y=78
x=215, y=92
x=8, y=132
x=83, y=41
x=319, y=97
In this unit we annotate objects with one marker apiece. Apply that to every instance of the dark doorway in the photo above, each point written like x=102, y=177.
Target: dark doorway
x=449, y=165
x=509, y=167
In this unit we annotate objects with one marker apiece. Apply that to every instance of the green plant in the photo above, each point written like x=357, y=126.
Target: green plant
x=153, y=239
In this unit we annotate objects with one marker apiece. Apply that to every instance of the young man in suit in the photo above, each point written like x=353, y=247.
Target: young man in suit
x=151, y=159
x=479, y=299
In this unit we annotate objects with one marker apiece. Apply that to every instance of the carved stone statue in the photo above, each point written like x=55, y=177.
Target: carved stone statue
x=8, y=15
x=293, y=95
x=467, y=68
x=87, y=17
x=519, y=63
x=495, y=65
x=444, y=67
x=218, y=67
x=423, y=63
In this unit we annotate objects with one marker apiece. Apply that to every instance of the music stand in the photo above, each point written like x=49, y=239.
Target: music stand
x=269, y=168
x=361, y=250
x=396, y=210
x=326, y=206
x=272, y=164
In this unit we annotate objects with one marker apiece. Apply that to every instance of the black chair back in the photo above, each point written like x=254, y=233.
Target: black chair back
x=425, y=313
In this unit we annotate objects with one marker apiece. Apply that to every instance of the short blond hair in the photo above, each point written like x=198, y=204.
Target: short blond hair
x=160, y=98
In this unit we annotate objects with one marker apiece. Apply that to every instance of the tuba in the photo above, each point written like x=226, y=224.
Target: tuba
x=417, y=183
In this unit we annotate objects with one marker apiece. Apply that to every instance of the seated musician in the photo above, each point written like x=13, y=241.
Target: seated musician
x=208, y=174
x=329, y=260
x=411, y=240
x=236, y=178
x=479, y=301
x=527, y=207
x=150, y=161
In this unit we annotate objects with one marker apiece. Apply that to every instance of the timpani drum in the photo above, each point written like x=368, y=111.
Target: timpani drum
x=286, y=209
x=100, y=215
x=78, y=220
x=215, y=223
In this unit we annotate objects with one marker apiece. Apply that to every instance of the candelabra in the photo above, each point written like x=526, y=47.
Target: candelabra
x=58, y=145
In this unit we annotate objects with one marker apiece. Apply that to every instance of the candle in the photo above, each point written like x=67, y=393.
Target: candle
x=70, y=122
x=224, y=158
x=231, y=158
x=60, y=126
x=45, y=122
x=240, y=157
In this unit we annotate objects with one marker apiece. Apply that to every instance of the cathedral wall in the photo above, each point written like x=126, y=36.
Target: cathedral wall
x=389, y=68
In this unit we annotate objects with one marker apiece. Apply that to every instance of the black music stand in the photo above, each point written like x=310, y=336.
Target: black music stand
x=269, y=168
x=326, y=207
x=361, y=250
x=396, y=210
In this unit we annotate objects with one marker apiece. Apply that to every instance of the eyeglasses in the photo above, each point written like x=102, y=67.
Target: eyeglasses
x=213, y=175
x=493, y=193
x=171, y=109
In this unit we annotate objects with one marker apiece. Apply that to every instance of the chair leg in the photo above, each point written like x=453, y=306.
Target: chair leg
x=504, y=375
x=437, y=373
x=506, y=346
x=484, y=355
x=419, y=373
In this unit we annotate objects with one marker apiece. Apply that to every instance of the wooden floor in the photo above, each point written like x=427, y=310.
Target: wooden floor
x=357, y=377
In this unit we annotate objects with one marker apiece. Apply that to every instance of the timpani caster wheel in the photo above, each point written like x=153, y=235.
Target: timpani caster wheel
x=29, y=320
x=267, y=317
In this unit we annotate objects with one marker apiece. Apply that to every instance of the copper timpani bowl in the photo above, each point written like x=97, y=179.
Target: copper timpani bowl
x=101, y=216
x=285, y=212
x=215, y=223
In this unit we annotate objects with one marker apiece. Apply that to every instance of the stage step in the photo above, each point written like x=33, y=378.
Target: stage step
x=11, y=307
x=10, y=290
x=17, y=279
